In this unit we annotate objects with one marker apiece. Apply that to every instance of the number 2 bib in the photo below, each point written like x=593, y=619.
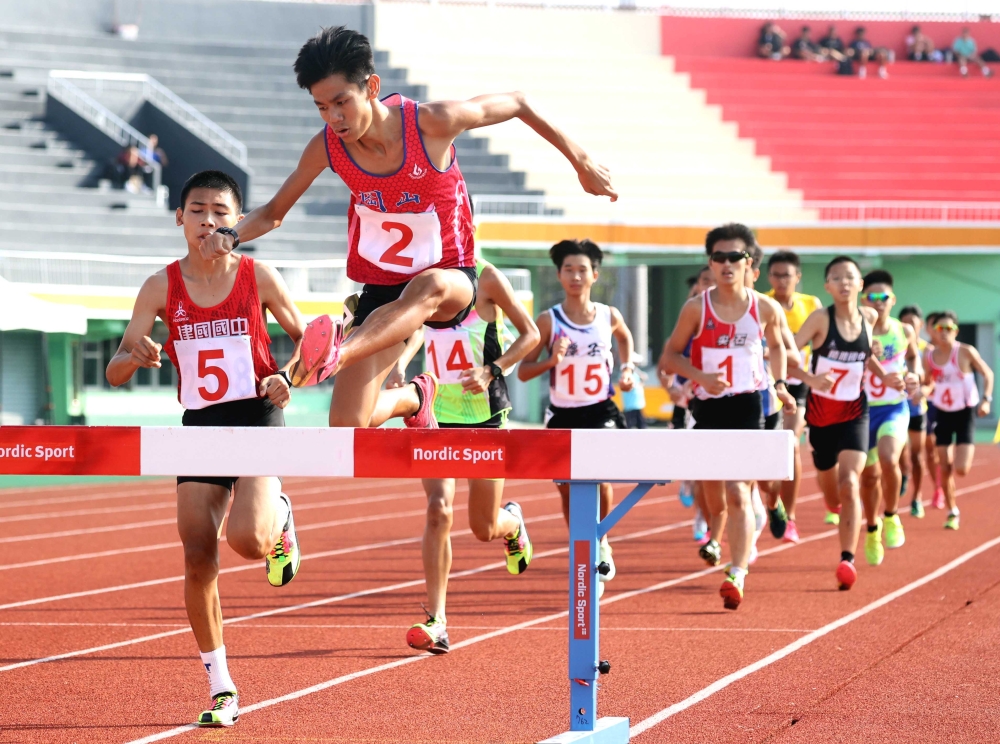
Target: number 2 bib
x=403, y=242
x=448, y=353
x=846, y=376
x=737, y=363
x=215, y=370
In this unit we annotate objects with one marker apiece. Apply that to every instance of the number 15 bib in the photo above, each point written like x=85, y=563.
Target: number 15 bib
x=404, y=242
x=215, y=370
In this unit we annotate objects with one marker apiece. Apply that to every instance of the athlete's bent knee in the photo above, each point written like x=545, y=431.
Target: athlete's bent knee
x=201, y=561
x=429, y=286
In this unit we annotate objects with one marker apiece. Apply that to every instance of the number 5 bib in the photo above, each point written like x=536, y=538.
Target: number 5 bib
x=404, y=242
x=215, y=370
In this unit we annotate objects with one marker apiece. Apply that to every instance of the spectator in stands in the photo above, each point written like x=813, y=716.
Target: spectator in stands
x=861, y=50
x=805, y=48
x=127, y=170
x=920, y=48
x=966, y=51
x=154, y=153
x=772, y=42
x=833, y=44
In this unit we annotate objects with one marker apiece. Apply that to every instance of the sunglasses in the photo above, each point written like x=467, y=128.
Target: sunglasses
x=879, y=296
x=945, y=327
x=732, y=257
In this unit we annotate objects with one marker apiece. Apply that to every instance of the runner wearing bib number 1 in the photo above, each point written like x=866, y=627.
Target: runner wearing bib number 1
x=728, y=326
x=837, y=409
x=895, y=346
x=214, y=313
x=577, y=337
x=410, y=232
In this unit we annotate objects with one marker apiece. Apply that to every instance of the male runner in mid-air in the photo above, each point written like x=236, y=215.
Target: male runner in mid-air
x=214, y=310
x=911, y=461
x=950, y=367
x=470, y=361
x=727, y=326
x=577, y=336
x=888, y=415
x=410, y=231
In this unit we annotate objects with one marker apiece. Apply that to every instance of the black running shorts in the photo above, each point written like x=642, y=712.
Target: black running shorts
x=743, y=411
x=603, y=415
x=800, y=392
x=918, y=422
x=774, y=421
x=829, y=441
x=955, y=427
x=374, y=296
x=679, y=418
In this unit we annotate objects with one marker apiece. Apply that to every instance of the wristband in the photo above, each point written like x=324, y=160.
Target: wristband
x=231, y=233
x=284, y=376
x=781, y=382
x=627, y=365
x=988, y=398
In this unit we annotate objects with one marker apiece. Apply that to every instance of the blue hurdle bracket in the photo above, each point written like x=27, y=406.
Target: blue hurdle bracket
x=623, y=508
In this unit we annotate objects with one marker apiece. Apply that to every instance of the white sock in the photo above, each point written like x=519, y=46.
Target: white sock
x=281, y=513
x=738, y=573
x=953, y=512
x=218, y=671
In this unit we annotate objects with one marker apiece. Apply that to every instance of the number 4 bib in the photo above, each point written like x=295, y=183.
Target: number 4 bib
x=448, y=354
x=215, y=370
x=403, y=242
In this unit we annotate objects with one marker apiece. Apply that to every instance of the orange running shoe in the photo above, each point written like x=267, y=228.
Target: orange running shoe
x=847, y=574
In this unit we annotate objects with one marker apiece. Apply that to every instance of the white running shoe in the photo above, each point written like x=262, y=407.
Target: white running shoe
x=604, y=556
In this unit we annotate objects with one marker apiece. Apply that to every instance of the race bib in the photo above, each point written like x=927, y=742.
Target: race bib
x=404, y=242
x=448, y=353
x=583, y=379
x=847, y=378
x=737, y=364
x=949, y=395
x=877, y=391
x=215, y=370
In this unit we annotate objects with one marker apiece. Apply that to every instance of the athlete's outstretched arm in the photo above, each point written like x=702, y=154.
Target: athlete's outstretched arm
x=137, y=349
x=267, y=217
x=530, y=367
x=977, y=363
x=626, y=348
x=447, y=119
x=275, y=298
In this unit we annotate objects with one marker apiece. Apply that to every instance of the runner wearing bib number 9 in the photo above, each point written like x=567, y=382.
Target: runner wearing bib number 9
x=728, y=326
x=888, y=410
x=410, y=232
x=577, y=335
x=214, y=311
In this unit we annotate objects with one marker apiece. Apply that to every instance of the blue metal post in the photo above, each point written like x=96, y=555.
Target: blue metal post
x=584, y=516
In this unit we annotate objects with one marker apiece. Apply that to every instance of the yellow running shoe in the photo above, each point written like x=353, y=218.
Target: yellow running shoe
x=874, y=552
x=283, y=561
x=894, y=535
x=831, y=518
x=225, y=711
x=518, y=548
x=951, y=523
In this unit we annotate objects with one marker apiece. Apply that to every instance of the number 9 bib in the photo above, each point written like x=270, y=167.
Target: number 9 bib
x=215, y=370
x=404, y=242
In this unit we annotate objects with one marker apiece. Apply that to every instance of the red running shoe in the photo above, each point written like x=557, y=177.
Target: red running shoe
x=847, y=574
x=320, y=351
x=427, y=384
x=731, y=591
x=938, y=500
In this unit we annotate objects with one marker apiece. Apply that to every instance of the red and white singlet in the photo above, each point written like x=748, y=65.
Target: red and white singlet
x=223, y=352
x=583, y=377
x=737, y=349
x=406, y=222
x=954, y=390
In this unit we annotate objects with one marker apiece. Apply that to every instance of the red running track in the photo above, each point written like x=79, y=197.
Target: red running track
x=94, y=645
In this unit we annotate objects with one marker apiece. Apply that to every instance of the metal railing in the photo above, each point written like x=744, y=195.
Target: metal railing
x=138, y=87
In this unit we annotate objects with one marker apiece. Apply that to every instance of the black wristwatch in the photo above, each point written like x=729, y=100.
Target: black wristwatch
x=231, y=233
x=283, y=374
x=495, y=370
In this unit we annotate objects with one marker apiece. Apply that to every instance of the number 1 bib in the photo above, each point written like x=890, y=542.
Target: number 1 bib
x=215, y=370
x=403, y=242
x=737, y=363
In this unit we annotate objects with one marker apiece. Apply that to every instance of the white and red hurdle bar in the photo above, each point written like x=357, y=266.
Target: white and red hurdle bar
x=584, y=458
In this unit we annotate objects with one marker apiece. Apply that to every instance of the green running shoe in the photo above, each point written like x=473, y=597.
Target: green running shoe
x=917, y=509
x=283, y=561
x=894, y=536
x=777, y=520
x=711, y=553
x=225, y=711
x=951, y=523
x=518, y=548
x=430, y=635
x=874, y=552
x=831, y=518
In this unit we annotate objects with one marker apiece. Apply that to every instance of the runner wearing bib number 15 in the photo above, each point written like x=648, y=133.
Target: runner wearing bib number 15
x=410, y=232
x=577, y=337
x=728, y=326
x=214, y=311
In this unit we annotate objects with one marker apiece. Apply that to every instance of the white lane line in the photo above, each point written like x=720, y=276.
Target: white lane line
x=90, y=512
x=88, y=531
x=84, y=556
x=815, y=635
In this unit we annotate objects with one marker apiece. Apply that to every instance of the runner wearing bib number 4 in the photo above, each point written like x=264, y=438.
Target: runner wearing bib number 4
x=837, y=409
x=410, y=232
x=214, y=313
x=889, y=414
x=950, y=367
x=728, y=326
x=577, y=336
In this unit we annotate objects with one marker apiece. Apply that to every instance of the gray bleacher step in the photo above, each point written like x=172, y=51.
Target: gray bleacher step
x=11, y=193
x=43, y=176
x=43, y=157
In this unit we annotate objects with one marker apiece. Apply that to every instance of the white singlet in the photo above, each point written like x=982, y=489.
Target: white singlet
x=583, y=377
x=953, y=389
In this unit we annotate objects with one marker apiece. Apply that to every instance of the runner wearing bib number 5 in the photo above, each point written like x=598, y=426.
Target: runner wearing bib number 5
x=577, y=337
x=728, y=325
x=410, y=232
x=214, y=313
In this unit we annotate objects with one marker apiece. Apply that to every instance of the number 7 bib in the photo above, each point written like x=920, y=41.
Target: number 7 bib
x=403, y=242
x=215, y=370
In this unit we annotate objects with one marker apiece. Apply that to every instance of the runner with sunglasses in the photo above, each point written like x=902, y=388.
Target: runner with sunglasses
x=728, y=325
x=889, y=416
x=950, y=367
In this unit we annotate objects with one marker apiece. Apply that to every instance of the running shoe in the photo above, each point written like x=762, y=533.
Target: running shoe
x=700, y=529
x=430, y=635
x=903, y=483
x=791, y=533
x=759, y=512
x=686, y=495
x=225, y=711
x=778, y=520
x=282, y=563
x=600, y=589
x=711, y=553
x=731, y=591
x=831, y=518
x=518, y=548
x=951, y=523
x=754, y=554
x=320, y=350
x=874, y=552
x=894, y=535
x=847, y=574
x=937, y=502
x=604, y=556
x=917, y=509
x=427, y=386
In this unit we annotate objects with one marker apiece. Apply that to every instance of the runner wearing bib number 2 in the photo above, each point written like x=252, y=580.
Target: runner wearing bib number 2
x=728, y=326
x=217, y=339
x=577, y=337
x=410, y=232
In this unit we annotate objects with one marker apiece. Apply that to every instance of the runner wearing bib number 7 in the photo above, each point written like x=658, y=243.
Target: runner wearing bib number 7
x=218, y=340
x=410, y=232
x=577, y=337
x=728, y=325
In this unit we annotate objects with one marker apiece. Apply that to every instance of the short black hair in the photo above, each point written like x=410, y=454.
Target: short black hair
x=932, y=317
x=730, y=231
x=585, y=247
x=213, y=179
x=911, y=310
x=949, y=314
x=839, y=260
x=756, y=256
x=336, y=50
x=878, y=276
x=788, y=257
